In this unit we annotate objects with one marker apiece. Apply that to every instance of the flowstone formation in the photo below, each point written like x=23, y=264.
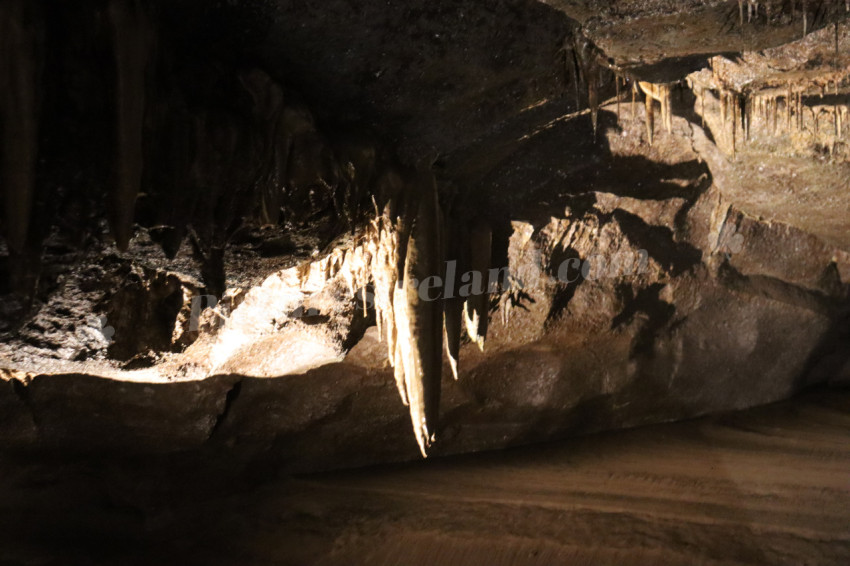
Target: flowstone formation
x=294, y=249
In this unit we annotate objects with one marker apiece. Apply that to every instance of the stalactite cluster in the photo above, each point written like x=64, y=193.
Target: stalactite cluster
x=587, y=69
x=813, y=104
x=585, y=65
x=401, y=256
x=764, y=102
x=807, y=12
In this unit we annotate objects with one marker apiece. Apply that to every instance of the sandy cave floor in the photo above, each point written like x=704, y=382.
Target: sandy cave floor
x=765, y=486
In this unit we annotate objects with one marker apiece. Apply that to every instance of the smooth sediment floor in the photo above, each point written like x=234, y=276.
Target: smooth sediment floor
x=764, y=486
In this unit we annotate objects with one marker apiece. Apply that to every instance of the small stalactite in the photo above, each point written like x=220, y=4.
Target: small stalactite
x=797, y=113
x=453, y=307
x=634, y=97
x=837, y=51
x=477, y=307
x=593, y=98
x=662, y=93
x=788, y=102
x=767, y=119
x=764, y=117
x=589, y=68
x=771, y=116
x=772, y=113
x=769, y=105
x=650, y=119
x=582, y=66
x=577, y=75
x=617, y=81
x=735, y=113
x=805, y=18
x=571, y=69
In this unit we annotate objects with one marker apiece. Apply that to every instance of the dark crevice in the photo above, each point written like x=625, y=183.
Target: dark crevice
x=566, y=291
x=832, y=353
x=22, y=392
x=232, y=396
x=20, y=389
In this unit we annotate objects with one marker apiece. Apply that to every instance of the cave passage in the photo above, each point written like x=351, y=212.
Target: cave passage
x=271, y=238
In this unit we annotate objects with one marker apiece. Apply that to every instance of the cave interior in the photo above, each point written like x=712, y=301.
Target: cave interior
x=482, y=282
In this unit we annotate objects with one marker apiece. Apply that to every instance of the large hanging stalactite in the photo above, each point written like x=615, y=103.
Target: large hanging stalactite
x=134, y=44
x=419, y=316
x=401, y=255
x=268, y=99
x=21, y=60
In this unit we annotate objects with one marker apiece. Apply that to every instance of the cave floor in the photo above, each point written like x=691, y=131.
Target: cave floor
x=764, y=486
